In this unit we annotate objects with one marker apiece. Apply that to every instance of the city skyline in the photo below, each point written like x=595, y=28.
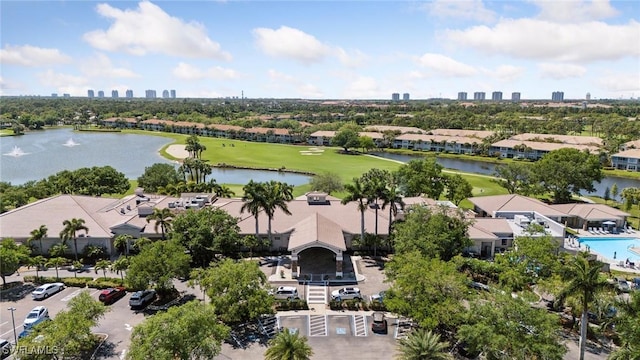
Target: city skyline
x=270, y=49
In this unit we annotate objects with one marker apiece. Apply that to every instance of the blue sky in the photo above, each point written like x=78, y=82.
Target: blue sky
x=322, y=49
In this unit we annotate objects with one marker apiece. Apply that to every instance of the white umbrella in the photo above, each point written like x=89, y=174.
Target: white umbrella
x=609, y=222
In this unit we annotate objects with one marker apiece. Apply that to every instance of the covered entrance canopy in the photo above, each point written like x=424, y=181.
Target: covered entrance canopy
x=316, y=231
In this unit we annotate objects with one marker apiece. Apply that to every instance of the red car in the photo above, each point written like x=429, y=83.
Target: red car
x=110, y=295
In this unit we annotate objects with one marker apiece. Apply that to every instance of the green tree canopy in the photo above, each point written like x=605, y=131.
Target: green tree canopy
x=423, y=345
x=508, y=328
x=567, y=171
x=238, y=290
x=426, y=290
x=421, y=177
x=11, y=256
x=441, y=232
x=206, y=232
x=288, y=345
x=346, y=138
x=158, y=264
x=157, y=176
x=458, y=188
x=516, y=178
x=327, y=182
x=190, y=331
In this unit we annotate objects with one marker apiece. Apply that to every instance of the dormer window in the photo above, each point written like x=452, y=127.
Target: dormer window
x=316, y=198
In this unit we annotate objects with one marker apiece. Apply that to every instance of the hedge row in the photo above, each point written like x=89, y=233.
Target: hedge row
x=81, y=282
x=352, y=305
x=291, y=305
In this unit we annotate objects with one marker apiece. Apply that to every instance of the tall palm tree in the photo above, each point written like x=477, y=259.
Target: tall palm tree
x=37, y=262
x=119, y=266
x=288, y=346
x=393, y=199
x=627, y=324
x=121, y=242
x=423, y=345
x=57, y=262
x=357, y=192
x=58, y=250
x=276, y=196
x=584, y=282
x=37, y=235
x=103, y=265
x=71, y=228
x=375, y=183
x=163, y=218
x=253, y=200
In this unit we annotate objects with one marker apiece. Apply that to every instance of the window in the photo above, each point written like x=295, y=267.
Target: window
x=504, y=242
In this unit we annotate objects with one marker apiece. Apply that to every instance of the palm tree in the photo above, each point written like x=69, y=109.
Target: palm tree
x=37, y=235
x=57, y=262
x=276, y=196
x=392, y=198
x=58, y=250
x=584, y=282
x=423, y=345
x=163, y=218
x=253, y=200
x=357, y=192
x=223, y=191
x=103, y=265
x=121, y=242
x=37, y=262
x=71, y=228
x=119, y=266
x=77, y=266
x=627, y=324
x=288, y=345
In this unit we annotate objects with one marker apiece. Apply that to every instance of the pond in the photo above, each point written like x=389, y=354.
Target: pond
x=39, y=154
x=485, y=168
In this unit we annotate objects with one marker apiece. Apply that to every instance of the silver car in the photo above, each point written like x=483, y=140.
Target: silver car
x=347, y=293
x=46, y=290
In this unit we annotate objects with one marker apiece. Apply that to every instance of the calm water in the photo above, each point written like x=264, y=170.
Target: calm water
x=38, y=154
x=608, y=246
x=479, y=167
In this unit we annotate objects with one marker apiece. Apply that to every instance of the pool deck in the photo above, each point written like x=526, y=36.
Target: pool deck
x=571, y=243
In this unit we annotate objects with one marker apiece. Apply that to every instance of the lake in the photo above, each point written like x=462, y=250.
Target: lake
x=39, y=154
x=485, y=168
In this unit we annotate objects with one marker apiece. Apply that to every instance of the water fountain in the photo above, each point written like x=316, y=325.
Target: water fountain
x=70, y=143
x=16, y=152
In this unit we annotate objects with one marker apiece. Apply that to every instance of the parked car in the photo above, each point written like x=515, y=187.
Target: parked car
x=140, y=299
x=635, y=283
x=110, y=295
x=286, y=293
x=46, y=290
x=479, y=286
x=35, y=316
x=379, y=297
x=622, y=285
x=347, y=293
x=378, y=323
x=5, y=348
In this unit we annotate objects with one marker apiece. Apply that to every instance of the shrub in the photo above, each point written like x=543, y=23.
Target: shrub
x=102, y=283
x=352, y=304
x=335, y=305
x=299, y=305
x=80, y=282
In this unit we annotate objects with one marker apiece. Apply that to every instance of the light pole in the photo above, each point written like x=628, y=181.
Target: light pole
x=13, y=321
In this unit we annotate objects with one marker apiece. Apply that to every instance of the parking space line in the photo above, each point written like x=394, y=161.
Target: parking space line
x=71, y=296
x=359, y=325
x=4, y=323
x=95, y=292
x=317, y=325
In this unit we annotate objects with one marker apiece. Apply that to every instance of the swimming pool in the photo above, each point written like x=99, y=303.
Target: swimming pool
x=608, y=246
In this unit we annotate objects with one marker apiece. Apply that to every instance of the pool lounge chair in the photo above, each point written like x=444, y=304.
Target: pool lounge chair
x=605, y=230
x=630, y=230
x=591, y=231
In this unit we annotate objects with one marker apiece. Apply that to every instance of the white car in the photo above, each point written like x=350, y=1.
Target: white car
x=347, y=293
x=140, y=298
x=286, y=293
x=35, y=316
x=46, y=290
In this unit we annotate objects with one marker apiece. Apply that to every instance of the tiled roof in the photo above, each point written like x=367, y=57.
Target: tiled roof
x=544, y=146
x=565, y=139
x=631, y=153
x=514, y=202
x=439, y=138
x=316, y=229
x=402, y=129
x=591, y=211
x=480, y=134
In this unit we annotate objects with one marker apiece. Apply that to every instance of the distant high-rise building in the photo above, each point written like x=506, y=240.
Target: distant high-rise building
x=405, y=96
x=515, y=96
x=462, y=96
x=165, y=94
x=395, y=97
x=114, y=94
x=557, y=96
x=54, y=95
x=479, y=95
x=150, y=94
x=173, y=94
x=66, y=95
x=496, y=96
x=100, y=94
x=90, y=94
x=588, y=97
x=129, y=94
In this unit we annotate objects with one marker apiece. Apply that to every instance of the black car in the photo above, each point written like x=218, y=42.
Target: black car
x=378, y=323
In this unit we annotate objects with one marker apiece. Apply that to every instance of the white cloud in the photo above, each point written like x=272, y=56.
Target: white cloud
x=353, y=59
x=506, y=73
x=445, y=66
x=538, y=39
x=186, y=71
x=291, y=43
x=99, y=65
x=27, y=55
x=362, y=87
x=460, y=9
x=281, y=80
x=64, y=83
x=561, y=71
x=620, y=82
x=148, y=29
x=575, y=10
